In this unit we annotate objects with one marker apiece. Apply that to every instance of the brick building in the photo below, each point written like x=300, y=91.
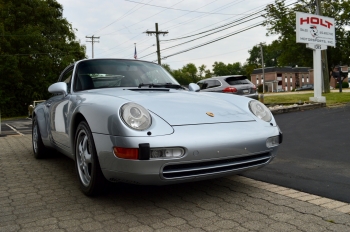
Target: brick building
x=286, y=78
x=283, y=78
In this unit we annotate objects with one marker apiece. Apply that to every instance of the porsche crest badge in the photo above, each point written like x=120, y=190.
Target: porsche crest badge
x=210, y=114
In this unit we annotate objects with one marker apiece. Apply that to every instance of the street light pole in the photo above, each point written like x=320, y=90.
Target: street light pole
x=262, y=66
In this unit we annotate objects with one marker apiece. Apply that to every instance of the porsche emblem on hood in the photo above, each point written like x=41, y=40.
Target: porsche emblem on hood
x=210, y=114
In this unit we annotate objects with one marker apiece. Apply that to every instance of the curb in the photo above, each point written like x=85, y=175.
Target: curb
x=298, y=108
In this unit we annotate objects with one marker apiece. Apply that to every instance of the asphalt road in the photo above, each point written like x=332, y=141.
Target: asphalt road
x=16, y=127
x=315, y=154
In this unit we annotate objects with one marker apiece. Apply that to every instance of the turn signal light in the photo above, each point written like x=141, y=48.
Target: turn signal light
x=126, y=153
x=230, y=90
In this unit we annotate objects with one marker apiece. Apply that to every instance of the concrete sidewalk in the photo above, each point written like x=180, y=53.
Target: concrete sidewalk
x=43, y=195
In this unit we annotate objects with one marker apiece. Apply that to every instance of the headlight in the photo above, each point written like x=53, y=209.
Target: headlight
x=135, y=116
x=260, y=110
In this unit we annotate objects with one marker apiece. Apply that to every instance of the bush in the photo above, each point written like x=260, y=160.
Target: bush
x=344, y=85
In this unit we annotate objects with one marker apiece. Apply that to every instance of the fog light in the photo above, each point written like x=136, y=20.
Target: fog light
x=167, y=153
x=273, y=141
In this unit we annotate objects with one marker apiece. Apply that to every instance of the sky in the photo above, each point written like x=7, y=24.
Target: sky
x=120, y=24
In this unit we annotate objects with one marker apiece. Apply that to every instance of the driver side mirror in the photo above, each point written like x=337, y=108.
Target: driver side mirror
x=193, y=87
x=58, y=88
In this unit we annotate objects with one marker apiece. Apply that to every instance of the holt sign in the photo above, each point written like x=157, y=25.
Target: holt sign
x=315, y=29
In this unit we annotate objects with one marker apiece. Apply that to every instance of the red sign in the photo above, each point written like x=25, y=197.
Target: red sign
x=315, y=20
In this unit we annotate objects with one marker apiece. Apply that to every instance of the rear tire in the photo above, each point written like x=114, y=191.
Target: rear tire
x=39, y=148
x=88, y=169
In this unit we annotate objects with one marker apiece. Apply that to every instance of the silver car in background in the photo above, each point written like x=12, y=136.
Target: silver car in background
x=130, y=121
x=232, y=84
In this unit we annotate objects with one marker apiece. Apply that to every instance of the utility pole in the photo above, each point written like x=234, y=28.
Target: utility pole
x=262, y=65
x=156, y=32
x=92, y=41
x=325, y=72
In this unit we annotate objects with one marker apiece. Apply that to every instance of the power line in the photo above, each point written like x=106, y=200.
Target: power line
x=192, y=11
x=147, y=17
x=218, y=27
x=209, y=34
x=261, y=6
x=254, y=13
x=212, y=41
x=201, y=16
x=210, y=56
x=215, y=40
x=121, y=17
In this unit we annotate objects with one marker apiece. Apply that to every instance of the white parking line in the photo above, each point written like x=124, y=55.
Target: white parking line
x=15, y=130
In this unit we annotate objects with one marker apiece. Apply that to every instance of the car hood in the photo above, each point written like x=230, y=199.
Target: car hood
x=186, y=108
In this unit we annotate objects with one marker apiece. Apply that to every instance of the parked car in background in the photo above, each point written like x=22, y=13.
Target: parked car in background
x=130, y=121
x=305, y=87
x=32, y=106
x=233, y=84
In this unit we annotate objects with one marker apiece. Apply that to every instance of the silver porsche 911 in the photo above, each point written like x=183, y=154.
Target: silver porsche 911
x=130, y=121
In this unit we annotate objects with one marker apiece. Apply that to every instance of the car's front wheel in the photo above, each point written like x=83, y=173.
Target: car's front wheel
x=39, y=148
x=87, y=166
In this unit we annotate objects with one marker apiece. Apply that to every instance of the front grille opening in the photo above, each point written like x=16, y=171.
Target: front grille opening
x=212, y=167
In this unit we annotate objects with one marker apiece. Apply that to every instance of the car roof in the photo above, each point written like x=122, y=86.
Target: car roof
x=223, y=77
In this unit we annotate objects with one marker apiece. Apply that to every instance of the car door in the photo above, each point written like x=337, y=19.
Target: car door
x=58, y=107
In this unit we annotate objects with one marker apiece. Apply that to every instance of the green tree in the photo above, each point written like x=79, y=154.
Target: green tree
x=191, y=70
x=201, y=71
x=271, y=54
x=234, y=68
x=36, y=44
x=167, y=67
x=221, y=69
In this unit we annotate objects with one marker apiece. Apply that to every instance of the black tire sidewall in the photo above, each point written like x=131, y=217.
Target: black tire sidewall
x=41, y=149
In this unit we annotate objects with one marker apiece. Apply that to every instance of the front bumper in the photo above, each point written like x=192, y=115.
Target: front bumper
x=211, y=151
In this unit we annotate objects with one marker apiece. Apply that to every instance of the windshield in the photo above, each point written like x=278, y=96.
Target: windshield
x=107, y=73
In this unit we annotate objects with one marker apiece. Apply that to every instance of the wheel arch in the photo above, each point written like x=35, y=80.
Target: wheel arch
x=78, y=117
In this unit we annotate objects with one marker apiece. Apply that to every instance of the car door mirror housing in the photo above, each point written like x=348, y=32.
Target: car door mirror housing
x=58, y=88
x=194, y=87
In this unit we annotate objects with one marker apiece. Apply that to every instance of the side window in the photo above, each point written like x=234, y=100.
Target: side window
x=202, y=85
x=67, y=78
x=217, y=83
x=213, y=83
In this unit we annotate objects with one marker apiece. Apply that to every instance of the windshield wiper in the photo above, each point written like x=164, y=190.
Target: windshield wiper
x=160, y=85
x=149, y=85
x=168, y=85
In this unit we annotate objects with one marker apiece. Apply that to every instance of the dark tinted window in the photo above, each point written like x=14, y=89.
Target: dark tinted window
x=202, y=85
x=242, y=80
x=66, y=78
x=209, y=84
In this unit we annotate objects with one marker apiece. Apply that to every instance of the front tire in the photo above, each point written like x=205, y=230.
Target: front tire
x=39, y=148
x=87, y=165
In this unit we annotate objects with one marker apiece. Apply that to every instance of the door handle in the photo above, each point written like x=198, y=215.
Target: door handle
x=48, y=104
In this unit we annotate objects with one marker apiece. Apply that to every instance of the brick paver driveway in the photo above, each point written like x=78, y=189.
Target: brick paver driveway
x=43, y=195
